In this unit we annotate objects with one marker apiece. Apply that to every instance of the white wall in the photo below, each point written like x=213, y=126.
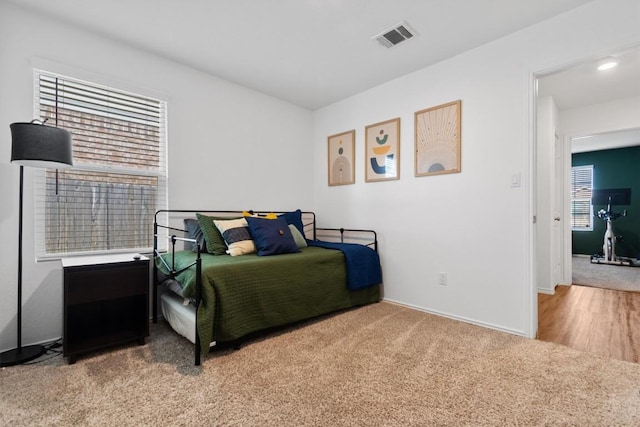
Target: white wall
x=472, y=225
x=229, y=147
x=616, y=115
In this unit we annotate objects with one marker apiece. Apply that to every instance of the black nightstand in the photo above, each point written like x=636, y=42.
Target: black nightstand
x=106, y=302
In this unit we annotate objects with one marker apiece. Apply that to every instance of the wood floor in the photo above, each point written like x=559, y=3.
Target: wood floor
x=595, y=320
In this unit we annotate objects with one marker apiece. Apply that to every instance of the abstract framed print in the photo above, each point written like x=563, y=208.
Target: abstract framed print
x=382, y=151
x=437, y=139
x=341, y=158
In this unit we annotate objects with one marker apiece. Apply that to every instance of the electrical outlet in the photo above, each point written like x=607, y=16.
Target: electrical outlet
x=443, y=278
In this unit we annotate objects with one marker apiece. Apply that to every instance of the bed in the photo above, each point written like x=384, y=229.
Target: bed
x=218, y=286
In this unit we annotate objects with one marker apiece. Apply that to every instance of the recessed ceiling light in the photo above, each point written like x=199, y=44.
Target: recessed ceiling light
x=607, y=64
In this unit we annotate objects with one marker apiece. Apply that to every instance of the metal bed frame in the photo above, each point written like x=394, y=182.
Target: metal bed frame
x=360, y=236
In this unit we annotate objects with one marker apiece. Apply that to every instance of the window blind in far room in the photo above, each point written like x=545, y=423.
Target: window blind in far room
x=106, y=202
x=581, y=192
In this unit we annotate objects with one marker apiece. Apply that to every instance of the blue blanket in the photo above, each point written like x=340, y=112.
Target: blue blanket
x=362, y=262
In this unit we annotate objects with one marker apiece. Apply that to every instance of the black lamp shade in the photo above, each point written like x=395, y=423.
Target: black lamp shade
x=41, y=146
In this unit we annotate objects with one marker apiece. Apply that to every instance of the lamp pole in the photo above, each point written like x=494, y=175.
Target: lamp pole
x=20, y=354
x=19, y=317
x=41, y=146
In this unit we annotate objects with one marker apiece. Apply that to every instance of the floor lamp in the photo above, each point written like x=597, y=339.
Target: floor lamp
x=34, y=145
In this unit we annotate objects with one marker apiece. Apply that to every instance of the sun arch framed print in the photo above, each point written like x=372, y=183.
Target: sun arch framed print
x=438, y=139
x=341, y=153
x=382, y=151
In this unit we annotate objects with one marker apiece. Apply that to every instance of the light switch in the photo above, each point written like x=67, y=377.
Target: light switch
x=515, y=180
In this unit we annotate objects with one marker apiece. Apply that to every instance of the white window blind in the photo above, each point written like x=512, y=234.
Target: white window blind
x=581, y=192
x=107, y=200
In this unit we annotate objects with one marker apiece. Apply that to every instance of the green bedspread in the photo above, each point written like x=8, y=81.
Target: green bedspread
x=248, y=293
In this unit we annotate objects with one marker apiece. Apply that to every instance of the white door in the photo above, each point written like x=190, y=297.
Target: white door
x=558, y=198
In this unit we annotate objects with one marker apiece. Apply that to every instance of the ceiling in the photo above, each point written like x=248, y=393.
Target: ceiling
x=582, y=84
x=308, y=52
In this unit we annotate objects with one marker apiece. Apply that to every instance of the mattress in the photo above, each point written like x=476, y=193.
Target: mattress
x=180, y=316
x=250, y=293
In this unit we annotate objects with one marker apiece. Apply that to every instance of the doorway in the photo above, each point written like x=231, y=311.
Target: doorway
x=579, y=109
x=576, y=106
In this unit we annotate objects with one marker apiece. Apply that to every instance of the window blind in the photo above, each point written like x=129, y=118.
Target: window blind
x=107, y=200
x=581, y=192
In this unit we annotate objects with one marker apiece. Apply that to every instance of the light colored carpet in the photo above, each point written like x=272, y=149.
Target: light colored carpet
x=380, y=365
x=617, y=277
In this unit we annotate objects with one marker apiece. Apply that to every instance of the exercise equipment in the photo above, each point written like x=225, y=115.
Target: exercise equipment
x=609, y=244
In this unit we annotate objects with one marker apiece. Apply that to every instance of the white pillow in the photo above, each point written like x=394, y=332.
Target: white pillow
x=235, y=233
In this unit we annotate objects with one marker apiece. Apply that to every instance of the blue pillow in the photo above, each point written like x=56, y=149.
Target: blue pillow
x=271, y=236
x=195, y=232
x=294, y=218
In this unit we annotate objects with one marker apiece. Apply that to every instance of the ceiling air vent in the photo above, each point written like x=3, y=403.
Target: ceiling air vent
x=396, y=34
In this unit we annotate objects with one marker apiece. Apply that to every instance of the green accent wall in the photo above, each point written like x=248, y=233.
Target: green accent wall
x=618, y=168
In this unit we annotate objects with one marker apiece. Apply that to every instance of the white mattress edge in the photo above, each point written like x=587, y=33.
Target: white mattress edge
x=181, y=317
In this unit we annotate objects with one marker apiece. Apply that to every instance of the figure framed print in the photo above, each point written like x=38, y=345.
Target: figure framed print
x=341, y=158
x=437, y=139
x=382, y=151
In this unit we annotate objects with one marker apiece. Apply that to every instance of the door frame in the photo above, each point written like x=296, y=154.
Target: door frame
x=531, y=307
x=568, y=242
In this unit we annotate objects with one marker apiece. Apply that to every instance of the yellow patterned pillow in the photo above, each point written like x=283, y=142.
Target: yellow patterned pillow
x=270, y=215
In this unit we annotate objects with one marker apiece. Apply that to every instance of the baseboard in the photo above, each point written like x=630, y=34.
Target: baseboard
x=458, y=318
x=44, y=343
x=547, y=291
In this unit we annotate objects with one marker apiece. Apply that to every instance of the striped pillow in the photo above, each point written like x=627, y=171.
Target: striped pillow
x=235, y=233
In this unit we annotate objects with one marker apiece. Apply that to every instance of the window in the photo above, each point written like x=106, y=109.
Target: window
x=581, y=191
x=107, y=200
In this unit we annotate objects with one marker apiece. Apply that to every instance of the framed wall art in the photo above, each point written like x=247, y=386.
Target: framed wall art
x=382, y=151
x=341, y=158
x=437, y=139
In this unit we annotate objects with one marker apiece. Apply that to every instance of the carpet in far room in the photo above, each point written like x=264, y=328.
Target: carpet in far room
x=617, y=277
